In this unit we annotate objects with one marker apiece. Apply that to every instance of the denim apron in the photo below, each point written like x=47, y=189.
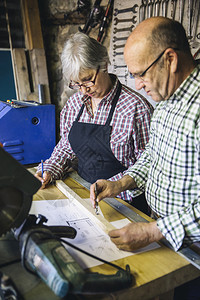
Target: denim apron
x=91, y=144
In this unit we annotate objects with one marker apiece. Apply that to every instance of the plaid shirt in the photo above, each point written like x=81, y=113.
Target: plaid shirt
x=130, y=129
x=169, y=168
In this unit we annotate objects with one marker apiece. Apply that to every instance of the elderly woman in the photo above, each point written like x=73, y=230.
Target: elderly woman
x=104, y=124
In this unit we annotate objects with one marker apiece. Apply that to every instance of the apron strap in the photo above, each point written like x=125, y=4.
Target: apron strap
x=80, y=112
x=114, y=102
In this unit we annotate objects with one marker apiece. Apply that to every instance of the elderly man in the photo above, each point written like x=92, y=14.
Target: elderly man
x=158, y=56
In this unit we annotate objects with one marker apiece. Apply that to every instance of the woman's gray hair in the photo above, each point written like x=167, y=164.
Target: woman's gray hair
x=81, y=53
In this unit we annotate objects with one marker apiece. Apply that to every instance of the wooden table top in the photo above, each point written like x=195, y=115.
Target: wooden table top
x=156, y=272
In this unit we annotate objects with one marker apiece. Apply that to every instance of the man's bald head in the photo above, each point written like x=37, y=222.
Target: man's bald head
x=155, y=34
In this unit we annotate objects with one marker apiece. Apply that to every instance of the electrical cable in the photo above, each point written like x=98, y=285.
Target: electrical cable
x=50, y=236
x=12, y=262
x=91, y=255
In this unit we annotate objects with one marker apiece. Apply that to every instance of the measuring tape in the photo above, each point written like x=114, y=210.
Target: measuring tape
x=187, y=253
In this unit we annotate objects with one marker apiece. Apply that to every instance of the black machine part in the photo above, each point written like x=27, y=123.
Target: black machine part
x=42, y=251
x=8, y=290
x=41, y=246
x=17, y=186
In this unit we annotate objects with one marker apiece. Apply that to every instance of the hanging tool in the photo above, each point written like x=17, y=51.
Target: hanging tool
x=142, y=10
x=189, y=26
x=173, y=10
x=117, y=53
x=119, y=66
x=93, y=18
x=157, y=8
x=132, y=20
x=115, y=30
x=195, y=22
x=82, y=5
x=194, y=15
x=115, y=39
x=132, y=9
x=181, y=10
x=104, y=24
x=164, y=8
x=118, y=46
x=150, y=6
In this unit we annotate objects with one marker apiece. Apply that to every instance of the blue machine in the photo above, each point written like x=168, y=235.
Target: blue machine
x=27, y=130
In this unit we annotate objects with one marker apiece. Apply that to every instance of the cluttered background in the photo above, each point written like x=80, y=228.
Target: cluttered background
x=32, y=35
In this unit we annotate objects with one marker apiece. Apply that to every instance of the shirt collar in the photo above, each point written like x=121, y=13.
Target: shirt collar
x=186, y=86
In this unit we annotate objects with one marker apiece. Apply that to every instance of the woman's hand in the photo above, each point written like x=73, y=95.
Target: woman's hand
x=46, y=179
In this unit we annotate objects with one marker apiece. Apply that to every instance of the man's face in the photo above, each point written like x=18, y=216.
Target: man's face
x=149, y=72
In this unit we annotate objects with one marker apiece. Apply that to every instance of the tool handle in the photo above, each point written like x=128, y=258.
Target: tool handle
x=100, y=283
x=91, y=16
x=104, y=21
x=46, y=256
x=63, y=231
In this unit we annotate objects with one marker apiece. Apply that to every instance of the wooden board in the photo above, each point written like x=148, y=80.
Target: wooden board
x=85, y=207
x=156, y=272
x=39, y=72
x=21, y=71
x=32, y=25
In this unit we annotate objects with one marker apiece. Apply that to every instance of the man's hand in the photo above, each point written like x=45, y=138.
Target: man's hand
x=46, y=179
x=135, y=236
x=107, y=188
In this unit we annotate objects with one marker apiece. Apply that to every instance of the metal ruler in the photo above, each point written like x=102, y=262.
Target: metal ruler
x=187, y=253
x=123, y=209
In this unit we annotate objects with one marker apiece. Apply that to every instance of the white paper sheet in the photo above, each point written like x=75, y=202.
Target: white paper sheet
x=90, y=237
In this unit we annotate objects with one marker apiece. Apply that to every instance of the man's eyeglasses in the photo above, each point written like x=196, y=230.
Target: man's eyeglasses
x=86, y=84
x=139, y=76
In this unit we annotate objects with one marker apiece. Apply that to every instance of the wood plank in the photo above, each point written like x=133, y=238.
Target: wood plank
x=31, y=24
x=21, y=71
x=85, y=207
x=34, y=43
x=39, y=72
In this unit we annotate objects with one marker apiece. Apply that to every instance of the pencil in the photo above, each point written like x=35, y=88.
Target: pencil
x=96, y=203
x=42, y=168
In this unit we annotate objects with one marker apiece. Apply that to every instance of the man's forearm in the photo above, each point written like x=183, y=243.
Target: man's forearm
x=127, y=183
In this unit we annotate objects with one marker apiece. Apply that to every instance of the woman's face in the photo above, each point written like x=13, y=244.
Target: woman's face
x=100, y=83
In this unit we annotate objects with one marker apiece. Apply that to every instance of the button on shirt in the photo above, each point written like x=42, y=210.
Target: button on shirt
x=169, y=168
x=130, y=129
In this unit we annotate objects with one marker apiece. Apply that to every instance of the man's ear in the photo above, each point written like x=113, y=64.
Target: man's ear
x=172, y=59
x=106, y=68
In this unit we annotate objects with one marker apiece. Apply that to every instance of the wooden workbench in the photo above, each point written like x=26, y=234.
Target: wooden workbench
x=156, y=272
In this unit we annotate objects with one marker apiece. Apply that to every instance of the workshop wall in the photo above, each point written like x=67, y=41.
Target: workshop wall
x=60, y=18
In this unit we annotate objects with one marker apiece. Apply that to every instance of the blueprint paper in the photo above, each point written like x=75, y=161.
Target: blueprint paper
x=90, y=237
